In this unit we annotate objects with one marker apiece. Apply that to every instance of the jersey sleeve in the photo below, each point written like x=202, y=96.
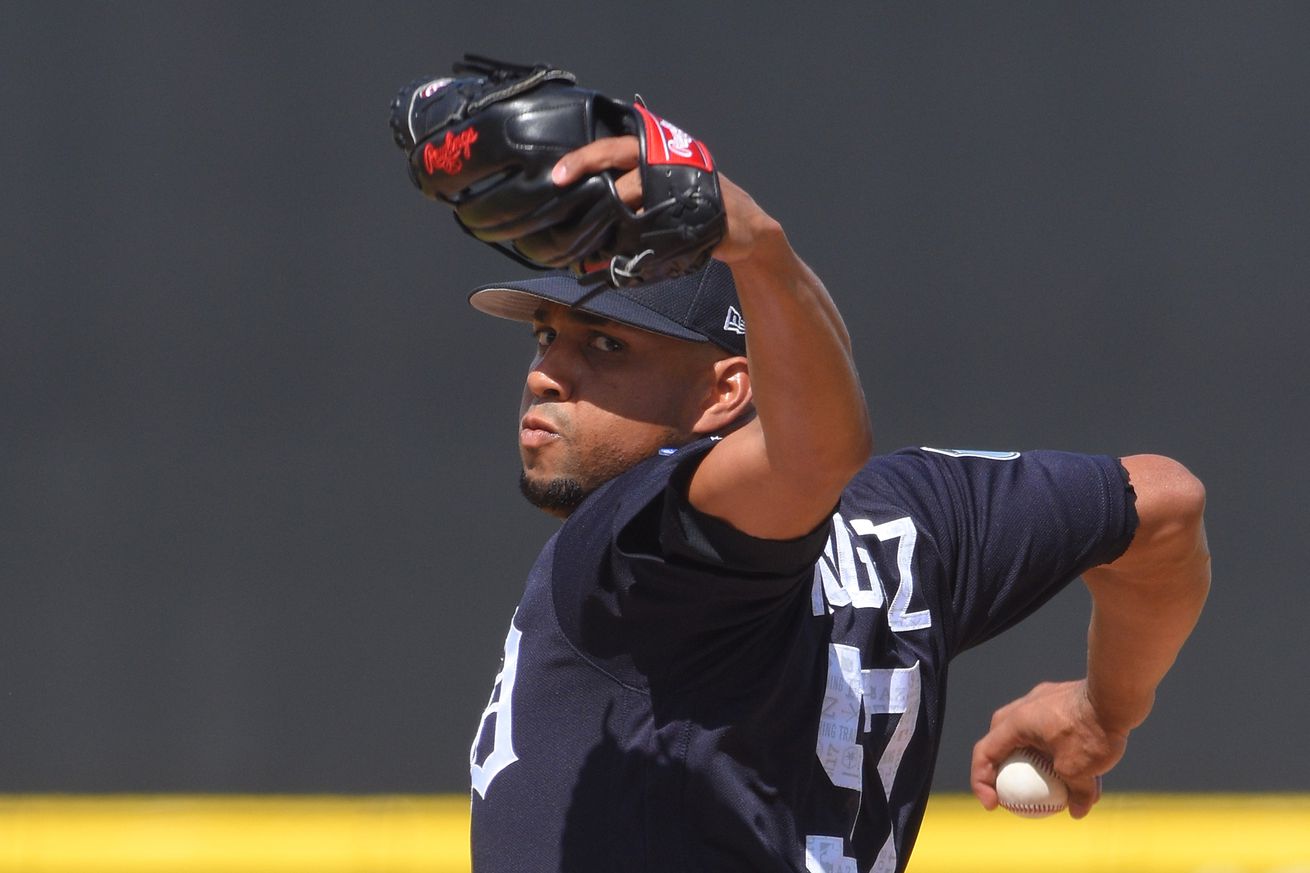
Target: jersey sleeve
x=1013, y=529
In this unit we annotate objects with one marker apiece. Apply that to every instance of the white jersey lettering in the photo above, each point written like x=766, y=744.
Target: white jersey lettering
x=501, y=705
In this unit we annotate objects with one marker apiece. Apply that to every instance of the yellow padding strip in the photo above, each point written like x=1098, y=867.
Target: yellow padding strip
x=266, y=834
x=1131, y=833
x=282, y=834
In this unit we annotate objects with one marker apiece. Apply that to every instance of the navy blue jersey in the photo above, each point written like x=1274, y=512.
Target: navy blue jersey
x=678, y=696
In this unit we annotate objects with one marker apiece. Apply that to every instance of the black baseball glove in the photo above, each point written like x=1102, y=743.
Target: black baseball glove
x=484, y=143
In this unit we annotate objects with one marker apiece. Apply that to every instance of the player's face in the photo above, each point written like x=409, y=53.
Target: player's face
x=599, y=398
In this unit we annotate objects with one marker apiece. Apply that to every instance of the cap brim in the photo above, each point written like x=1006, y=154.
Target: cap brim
x=520, y=301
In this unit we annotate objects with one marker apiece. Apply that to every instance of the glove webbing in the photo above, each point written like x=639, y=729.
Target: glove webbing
x=520, y=76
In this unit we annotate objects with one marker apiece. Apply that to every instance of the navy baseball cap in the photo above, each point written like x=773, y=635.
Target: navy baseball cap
x=699, y=307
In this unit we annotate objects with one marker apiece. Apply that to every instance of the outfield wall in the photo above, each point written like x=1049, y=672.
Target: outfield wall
x=1135, y=833
x=258, y=498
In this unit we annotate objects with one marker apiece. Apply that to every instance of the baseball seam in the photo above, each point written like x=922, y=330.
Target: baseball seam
x=1032, y=807
x=1041, y=762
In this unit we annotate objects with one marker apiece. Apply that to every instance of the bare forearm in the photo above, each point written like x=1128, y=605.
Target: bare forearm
x=1135, y=637
x=1146, y=604
x=807, y=391
x=780, y=475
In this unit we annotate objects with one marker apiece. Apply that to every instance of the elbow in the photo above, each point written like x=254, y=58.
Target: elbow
x=828, y=469
x=1190, y=495
x=1192, y=521
x=856, y=452
x=817, y=467
x=1177, y=502
x=1193, y=548
x=1167, y=565
x=1171, y=511
x=864, y=450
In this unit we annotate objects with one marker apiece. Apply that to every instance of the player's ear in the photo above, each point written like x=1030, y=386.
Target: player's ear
x=729, y=396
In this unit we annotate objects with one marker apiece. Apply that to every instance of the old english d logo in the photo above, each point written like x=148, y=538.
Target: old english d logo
x=501, y=707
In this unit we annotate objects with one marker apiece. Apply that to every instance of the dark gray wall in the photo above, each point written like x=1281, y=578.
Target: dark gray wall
x=258, y=521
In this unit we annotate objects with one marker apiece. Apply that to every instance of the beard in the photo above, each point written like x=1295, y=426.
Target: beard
x=559, y=496
x=576, y=467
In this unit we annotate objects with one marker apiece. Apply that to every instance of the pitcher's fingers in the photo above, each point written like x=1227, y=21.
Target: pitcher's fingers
x=1001, y=739
x=629, y=187
x=610, y=153
x=1083, y=795
x=982, y=778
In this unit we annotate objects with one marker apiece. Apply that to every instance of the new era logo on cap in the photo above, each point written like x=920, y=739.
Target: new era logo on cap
x=734, y=322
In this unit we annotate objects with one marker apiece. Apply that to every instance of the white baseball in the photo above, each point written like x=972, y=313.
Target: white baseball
x=1026, y=785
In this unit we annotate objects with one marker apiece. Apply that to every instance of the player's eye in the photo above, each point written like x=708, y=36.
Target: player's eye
x=545, y=336
x=606, y=343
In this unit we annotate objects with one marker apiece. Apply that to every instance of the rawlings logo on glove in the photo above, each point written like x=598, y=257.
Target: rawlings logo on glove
x=485, y=141
x=449, y=156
